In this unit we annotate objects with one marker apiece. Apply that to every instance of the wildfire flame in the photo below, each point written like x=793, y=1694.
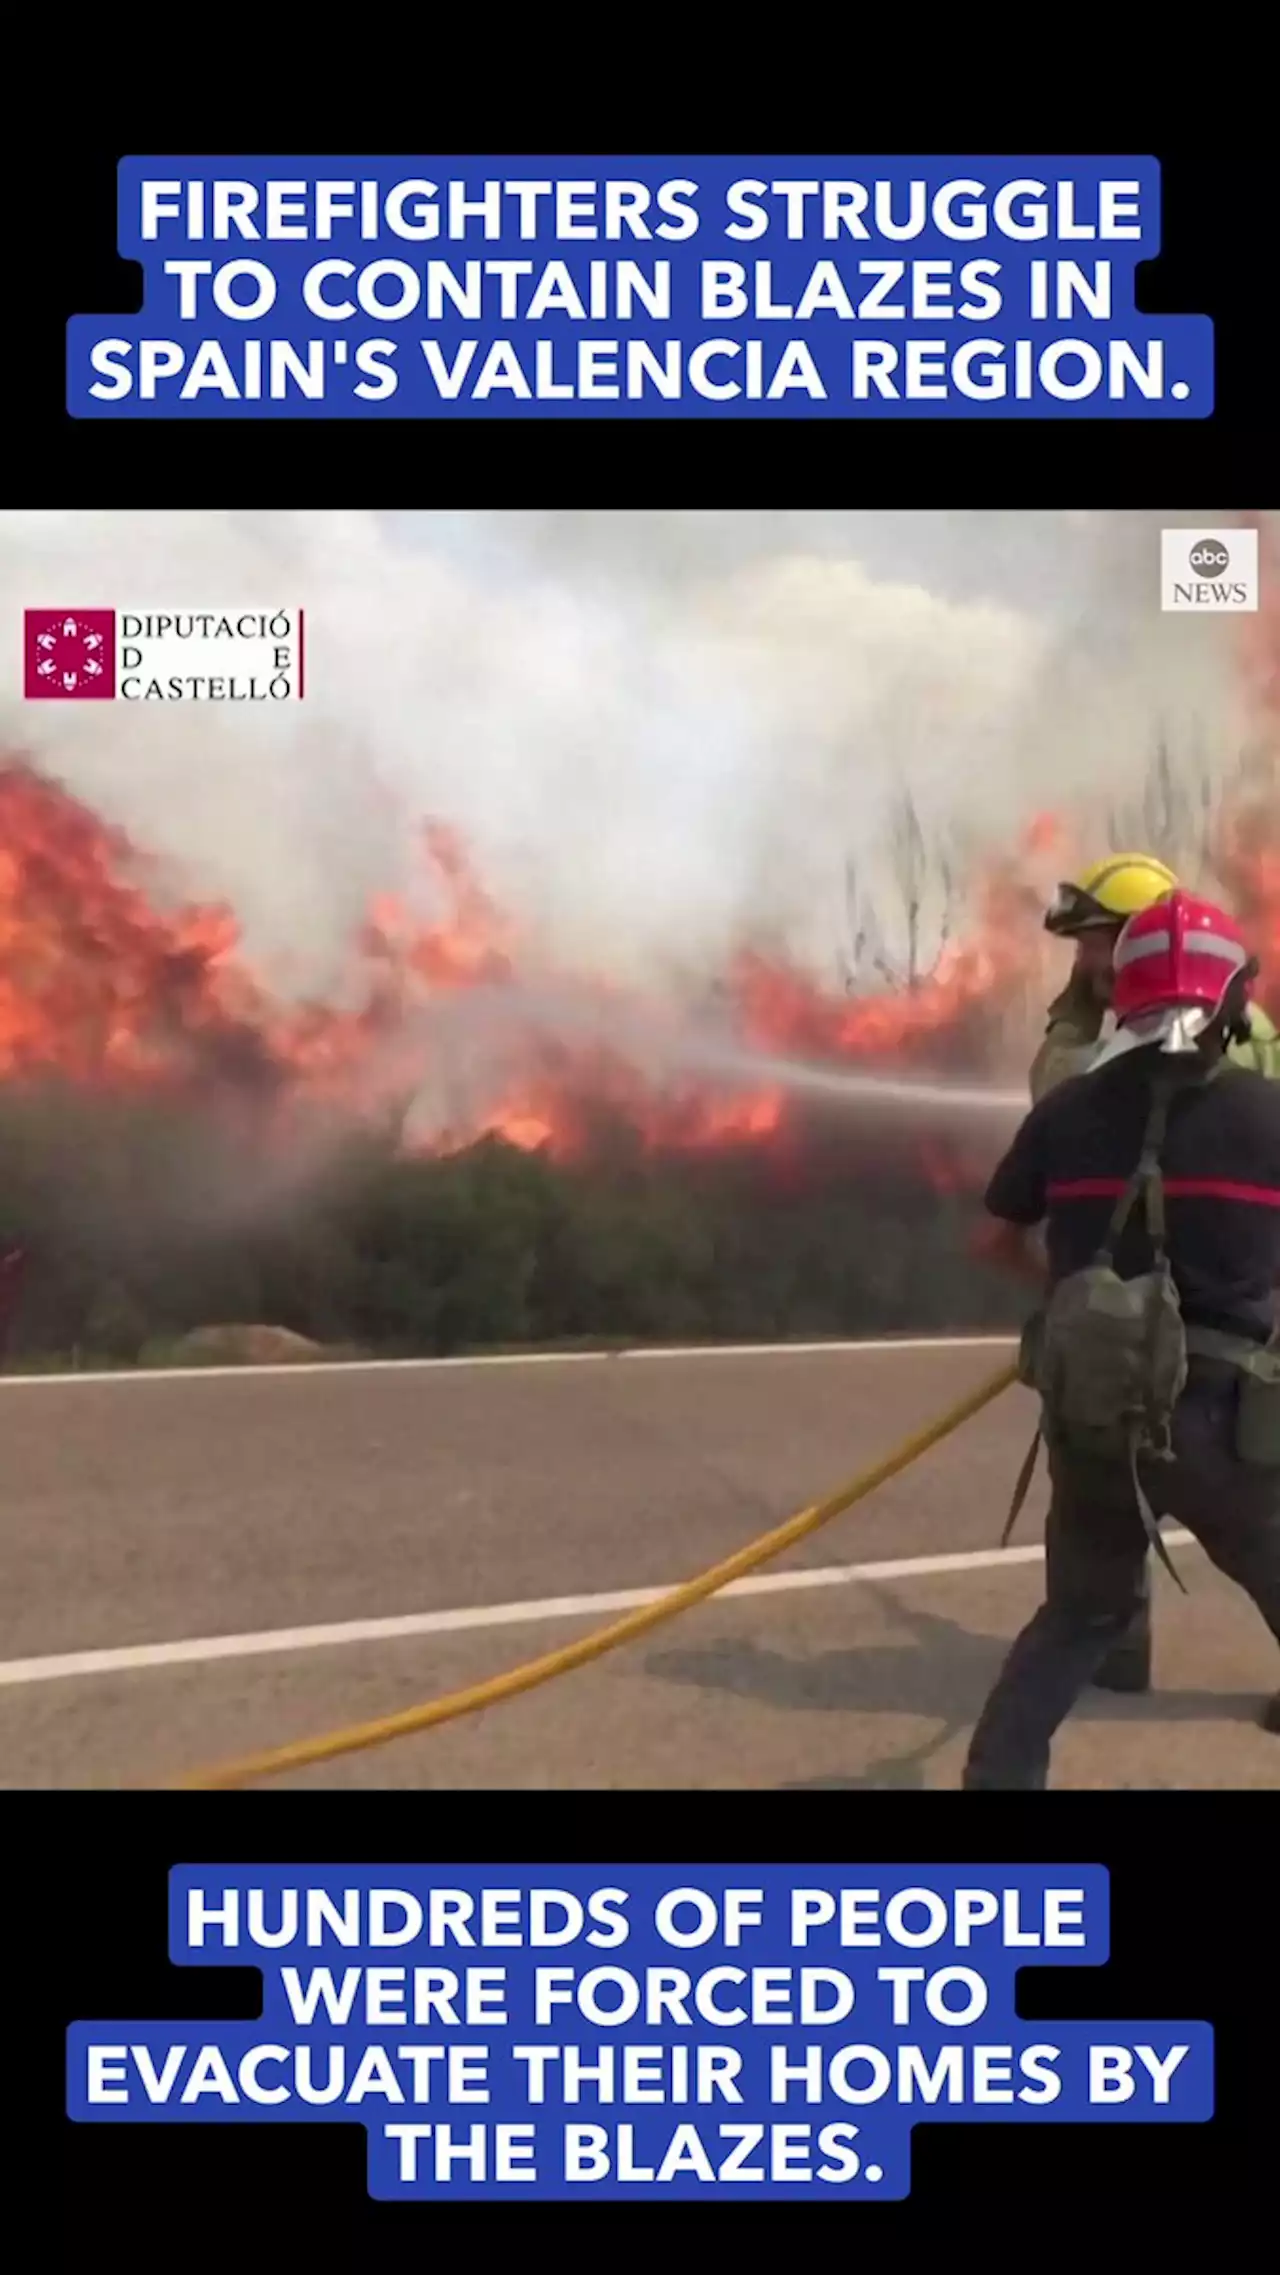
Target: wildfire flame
x=1249, y=850
x=104, y=985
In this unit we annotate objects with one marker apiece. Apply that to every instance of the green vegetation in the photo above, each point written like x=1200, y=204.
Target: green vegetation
x=136, y=1230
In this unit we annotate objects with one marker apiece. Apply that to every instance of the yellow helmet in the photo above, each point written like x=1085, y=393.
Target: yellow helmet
x=1106, y=895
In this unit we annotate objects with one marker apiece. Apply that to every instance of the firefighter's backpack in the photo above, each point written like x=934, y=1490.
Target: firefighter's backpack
x=1108, y=1356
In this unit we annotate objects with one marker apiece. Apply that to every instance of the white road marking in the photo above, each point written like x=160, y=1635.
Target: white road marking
x=134, y=1656
x=325, y=1370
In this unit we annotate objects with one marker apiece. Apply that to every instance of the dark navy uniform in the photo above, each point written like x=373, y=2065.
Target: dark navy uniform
x=1065, y=1171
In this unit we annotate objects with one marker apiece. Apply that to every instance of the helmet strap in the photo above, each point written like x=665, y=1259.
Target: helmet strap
x=1232, y=1022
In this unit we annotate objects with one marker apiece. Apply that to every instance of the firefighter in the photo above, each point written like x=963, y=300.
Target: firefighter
x=1090, y=910
x=1182, y=975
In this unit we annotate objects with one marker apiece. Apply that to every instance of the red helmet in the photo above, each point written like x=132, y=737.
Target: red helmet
x=1174, y=963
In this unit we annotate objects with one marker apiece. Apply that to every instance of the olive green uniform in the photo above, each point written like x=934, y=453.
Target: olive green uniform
x=1071, y=1039
x=1075, y=1027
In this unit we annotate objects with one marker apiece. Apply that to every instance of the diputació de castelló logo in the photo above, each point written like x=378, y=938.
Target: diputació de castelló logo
x=74, y=655
x=70, y=654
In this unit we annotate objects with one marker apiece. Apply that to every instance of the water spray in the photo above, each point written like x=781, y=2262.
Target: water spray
x=481, y=1034
x=865, y=1088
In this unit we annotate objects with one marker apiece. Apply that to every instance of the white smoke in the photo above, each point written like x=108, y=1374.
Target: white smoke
x=657, y=731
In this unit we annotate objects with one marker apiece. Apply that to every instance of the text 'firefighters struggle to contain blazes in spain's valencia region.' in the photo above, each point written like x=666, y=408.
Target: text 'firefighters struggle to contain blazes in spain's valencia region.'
x=631, y=288
x=640, y=2032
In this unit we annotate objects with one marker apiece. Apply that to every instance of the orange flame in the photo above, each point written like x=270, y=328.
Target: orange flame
x=106, y=987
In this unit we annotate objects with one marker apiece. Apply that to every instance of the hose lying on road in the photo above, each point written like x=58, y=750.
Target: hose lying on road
x=363, y=1734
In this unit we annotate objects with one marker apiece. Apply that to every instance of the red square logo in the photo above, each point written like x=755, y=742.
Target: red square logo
x=70, y=654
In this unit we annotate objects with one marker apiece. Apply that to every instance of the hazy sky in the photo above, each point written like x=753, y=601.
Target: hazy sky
x=656, y=728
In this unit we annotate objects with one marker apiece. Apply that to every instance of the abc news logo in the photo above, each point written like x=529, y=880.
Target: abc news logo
x=1209, y=571
x=1209, y=558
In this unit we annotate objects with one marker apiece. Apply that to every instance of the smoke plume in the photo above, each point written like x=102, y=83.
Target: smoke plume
x=659, y=734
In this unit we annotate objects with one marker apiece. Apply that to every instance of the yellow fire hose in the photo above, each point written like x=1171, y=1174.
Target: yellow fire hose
x=456, y=1703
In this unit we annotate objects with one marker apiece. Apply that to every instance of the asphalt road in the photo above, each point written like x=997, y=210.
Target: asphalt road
x=158, y=1510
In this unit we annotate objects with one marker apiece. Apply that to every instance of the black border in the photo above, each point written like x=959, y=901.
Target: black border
x=1192, y=1893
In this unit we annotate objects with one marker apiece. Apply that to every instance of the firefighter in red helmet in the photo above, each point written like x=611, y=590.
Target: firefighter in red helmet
x=1090, y=912
x=1156, y=1178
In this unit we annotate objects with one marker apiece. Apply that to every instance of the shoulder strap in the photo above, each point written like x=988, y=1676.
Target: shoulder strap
x=1146, y=1179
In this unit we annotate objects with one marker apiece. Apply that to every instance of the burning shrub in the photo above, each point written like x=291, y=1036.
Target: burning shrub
x=179, y=1149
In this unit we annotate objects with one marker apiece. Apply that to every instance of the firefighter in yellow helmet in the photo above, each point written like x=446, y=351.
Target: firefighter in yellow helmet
x=1092, y=910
